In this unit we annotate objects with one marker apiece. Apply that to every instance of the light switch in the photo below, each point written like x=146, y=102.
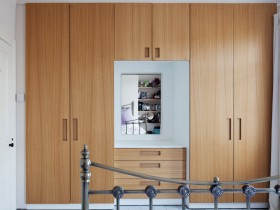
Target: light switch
x=20, y=97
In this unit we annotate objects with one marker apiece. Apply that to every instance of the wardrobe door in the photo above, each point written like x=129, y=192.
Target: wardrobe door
x=92, y=94
x=253, y=44
x=133, y=31
x=47, y=104
x=171, y=32
x=211, y=137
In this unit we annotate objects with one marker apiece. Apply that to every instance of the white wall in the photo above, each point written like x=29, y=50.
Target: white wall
x=130, y=92
x=8, y=18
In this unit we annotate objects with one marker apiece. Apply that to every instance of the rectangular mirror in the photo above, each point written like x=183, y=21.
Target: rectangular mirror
x=141, y=104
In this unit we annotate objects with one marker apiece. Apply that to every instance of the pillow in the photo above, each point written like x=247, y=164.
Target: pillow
x=127, y=115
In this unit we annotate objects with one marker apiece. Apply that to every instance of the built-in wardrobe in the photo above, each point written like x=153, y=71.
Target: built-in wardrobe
x=231, y=94
x=69, y=95
x=70, y=53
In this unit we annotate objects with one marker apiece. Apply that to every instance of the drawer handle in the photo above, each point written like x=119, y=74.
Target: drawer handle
x=149, y=165
x=151, y=153
x=146, y=183
x=64, y=129
x=75, y=129
x=147, y=52
x=240, y=128
x=157, y=52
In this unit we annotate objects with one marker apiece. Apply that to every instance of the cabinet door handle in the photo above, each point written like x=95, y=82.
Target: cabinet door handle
x=240, y=129
x=149, y=165
x=229, y=129
x=147, y=52
x=157, y=52
x=75, y=129
x=64, y=129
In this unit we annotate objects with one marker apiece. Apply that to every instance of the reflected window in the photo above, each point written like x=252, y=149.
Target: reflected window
x=141, y=104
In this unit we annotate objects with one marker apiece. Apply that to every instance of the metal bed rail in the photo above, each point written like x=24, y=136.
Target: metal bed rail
x=183, y=191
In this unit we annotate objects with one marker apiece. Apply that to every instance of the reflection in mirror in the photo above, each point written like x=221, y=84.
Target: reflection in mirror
x=141, y=104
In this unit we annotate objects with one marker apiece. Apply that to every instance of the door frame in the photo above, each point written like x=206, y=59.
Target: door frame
x=12, y=90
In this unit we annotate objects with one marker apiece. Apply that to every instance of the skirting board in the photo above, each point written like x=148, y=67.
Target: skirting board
x=137, y=202
x=228, y=205
x=68, y=206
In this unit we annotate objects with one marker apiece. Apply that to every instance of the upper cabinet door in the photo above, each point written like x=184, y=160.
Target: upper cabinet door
x=92, y=94
x=171, y=31
x=253, y=47
x=133, y=31
x=47, y=104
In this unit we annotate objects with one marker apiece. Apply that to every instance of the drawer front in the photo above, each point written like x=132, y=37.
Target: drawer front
x=141, y=184
x=167, y=169
x=150, y=154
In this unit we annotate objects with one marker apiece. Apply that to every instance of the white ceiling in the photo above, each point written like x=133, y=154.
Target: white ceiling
x=148, y=1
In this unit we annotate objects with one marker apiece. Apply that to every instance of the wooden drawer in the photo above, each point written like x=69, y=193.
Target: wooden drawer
x=141, y=184
x=150, y=154
x=167, y=169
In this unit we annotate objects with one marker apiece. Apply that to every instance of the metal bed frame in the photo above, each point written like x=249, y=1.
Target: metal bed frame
x=214, y=187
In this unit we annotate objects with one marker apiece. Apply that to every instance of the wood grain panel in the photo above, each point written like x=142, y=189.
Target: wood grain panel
x=167, y=169
x=47, y=104
x=253, y=43
x=92, y=93
x=150, y=154
x=133, y=31
x=141, y=184
x=171, y=31
x=211, y=136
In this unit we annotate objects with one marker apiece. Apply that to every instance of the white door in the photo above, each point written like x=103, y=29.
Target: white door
x=7, y=127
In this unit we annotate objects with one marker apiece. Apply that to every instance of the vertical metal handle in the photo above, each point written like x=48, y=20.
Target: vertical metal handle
x=64, y=129
x=229, y=128
x=157, y=52
x=240, y=129
x=147, y=52
x=75, y=129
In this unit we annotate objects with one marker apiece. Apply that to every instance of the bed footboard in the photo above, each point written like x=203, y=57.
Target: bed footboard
x=214, y=187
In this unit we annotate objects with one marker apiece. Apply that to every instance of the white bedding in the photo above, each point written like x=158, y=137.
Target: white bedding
x=133, y=129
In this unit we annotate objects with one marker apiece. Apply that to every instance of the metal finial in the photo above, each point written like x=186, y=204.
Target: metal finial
x=85, y=165
x=85, y=152
x=216, y=179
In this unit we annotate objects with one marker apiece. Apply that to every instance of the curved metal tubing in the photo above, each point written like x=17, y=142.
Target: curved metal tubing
x=186, y=182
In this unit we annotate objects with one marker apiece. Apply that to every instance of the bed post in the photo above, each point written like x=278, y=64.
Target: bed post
x=85, y=177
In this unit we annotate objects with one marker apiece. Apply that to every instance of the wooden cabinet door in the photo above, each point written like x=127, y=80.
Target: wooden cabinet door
x=133, y=31
x=171, y=31
x=92, y=94
x=253, y=43
x=211, y=133
x=47, y=103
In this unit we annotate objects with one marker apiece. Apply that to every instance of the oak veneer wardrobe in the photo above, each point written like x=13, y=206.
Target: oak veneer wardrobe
x=231, y=93
x=69, y=98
